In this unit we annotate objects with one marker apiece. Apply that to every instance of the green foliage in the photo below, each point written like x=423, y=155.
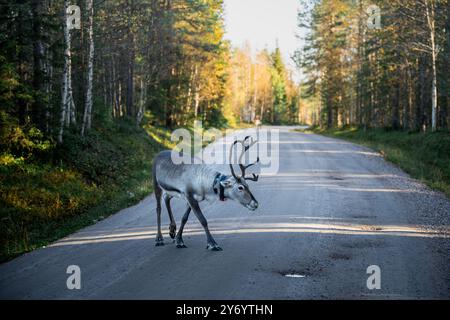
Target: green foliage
x=21, y=142
x=9, y=82
x=79, y=183
x=278, y=87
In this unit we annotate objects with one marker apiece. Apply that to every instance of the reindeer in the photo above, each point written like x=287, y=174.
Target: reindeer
x=198, y=182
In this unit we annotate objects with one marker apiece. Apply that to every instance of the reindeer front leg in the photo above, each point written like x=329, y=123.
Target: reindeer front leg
x=211, y=243
x=179, y=238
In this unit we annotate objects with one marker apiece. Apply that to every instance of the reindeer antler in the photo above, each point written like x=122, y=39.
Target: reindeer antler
x=245, y=148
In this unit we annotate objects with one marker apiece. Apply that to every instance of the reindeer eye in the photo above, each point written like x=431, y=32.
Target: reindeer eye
x=241, y=188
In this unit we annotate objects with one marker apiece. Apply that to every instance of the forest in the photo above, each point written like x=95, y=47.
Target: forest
x=166, y=61
x=395, y=75
x=90, y=91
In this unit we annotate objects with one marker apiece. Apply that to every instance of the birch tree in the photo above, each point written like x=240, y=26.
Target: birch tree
x=430, y=6
x=87, y=118
x=67, y=103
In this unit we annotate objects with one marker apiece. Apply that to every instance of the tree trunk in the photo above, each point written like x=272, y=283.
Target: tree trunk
x=114, y=99
x=105, y=85
x=396, y=106
x=130, y=77
x=140, y=114
x=430, y=11
x=420, y=101
x=66, y=77
x=87, y=119
x=196, y=92
x=446, y=103
x=39, y=71
x=49, y=90
x=409, y=100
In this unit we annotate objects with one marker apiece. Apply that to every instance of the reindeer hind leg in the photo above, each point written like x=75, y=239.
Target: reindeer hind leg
x=173, y=225
x=159, y=236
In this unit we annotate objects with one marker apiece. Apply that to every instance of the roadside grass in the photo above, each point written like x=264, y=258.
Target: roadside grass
x=76, y=185
x=424, y=156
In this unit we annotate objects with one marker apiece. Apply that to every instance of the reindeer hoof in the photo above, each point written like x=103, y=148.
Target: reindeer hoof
x=213, y=247
x=159, y=242
x=181, y=246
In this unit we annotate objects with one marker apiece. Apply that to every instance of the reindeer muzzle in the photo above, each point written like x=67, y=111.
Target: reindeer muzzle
x=253, y=205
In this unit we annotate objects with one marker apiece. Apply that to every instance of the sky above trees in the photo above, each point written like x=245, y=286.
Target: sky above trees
x=262, y=23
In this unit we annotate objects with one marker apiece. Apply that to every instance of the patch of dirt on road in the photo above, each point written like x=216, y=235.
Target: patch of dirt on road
x=363, y=243
x=336, y=178
x=339, y=256
x=371, y=228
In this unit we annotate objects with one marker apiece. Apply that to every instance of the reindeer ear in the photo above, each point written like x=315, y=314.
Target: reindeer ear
x=227, y=183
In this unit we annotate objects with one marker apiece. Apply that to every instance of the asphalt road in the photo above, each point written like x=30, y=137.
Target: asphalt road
x=333, y=210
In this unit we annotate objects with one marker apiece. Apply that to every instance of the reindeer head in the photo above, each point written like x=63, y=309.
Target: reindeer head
x=236, y=187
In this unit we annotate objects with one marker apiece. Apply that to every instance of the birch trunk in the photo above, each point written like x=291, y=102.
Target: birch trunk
x=67, y=104
x=430, y=10
x=87, y=118
x=196, y=94
x=65, y=85
x=71, y=117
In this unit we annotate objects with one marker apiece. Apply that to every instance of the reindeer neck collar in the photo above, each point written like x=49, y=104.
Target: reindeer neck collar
x=217, y=186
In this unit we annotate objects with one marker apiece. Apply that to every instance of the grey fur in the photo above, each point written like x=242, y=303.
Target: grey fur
x=194, y=183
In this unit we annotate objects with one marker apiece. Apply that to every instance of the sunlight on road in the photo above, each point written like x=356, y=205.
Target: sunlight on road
x=227, y=229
